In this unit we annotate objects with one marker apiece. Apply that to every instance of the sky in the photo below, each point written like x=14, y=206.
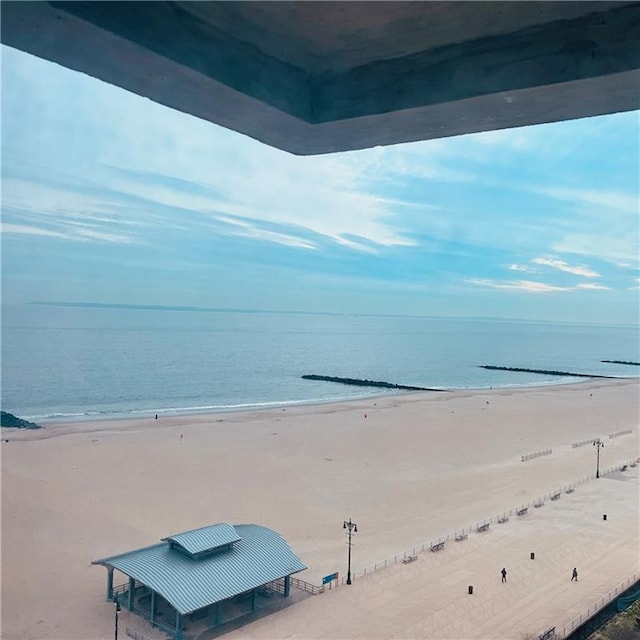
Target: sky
x=108, y=197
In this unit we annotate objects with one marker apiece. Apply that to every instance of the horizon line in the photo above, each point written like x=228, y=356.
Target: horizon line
x=159, y=307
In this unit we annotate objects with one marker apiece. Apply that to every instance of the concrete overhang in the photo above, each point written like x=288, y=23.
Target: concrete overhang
x=319, y=77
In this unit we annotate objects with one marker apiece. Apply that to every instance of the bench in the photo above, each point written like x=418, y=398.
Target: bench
x=548, y=634
x=539, y=503
x=523, y=511
x=483, y=527
x=461, y=536
x=556, y=496
x=408, y=559
x=503, y=519
x=437, y=547
x=570, y=490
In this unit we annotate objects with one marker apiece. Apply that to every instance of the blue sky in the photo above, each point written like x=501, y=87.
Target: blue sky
x=108, y=197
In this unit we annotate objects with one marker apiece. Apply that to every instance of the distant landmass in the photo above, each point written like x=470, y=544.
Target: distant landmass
x=162, y=307
x=9, y=420
x=637, y=364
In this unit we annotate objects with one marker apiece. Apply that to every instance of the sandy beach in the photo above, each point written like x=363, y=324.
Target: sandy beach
x=406, y=468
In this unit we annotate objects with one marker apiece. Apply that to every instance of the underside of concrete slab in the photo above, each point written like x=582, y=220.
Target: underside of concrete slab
x=320, y=77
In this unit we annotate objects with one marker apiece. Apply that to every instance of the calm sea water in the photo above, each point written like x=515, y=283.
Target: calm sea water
x=73, y=362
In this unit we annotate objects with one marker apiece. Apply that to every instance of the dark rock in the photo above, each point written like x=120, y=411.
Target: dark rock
x=9, y=420
x=366, y=383
x=545, y=372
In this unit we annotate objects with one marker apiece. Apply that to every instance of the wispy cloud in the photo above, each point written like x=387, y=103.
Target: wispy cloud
x=563, y=266
x=604, y=198
x=519, y=267
x=244, y=229
x=30, y=231
x=602, y=242
x=593, y=286
x=532, y=286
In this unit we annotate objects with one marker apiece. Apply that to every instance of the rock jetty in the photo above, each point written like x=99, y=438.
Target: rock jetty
x=9, y=420
x=546, y=372
x=367, y=383
x=637, y=364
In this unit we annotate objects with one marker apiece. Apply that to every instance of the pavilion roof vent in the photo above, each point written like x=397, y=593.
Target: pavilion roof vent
x=202, y=542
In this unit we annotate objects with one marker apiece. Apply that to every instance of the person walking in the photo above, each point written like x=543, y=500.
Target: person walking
x=504, y=574
x=574, y=575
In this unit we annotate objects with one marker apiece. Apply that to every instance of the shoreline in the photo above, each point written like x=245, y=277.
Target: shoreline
x=118, y=422
x=215, y=410
x=407, y=468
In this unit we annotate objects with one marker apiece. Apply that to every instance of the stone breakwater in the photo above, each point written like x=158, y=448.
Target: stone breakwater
x=367, y=383
x=9, y=420
x=546, y=372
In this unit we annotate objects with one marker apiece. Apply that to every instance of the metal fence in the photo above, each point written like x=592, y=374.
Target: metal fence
x=478, y=527
x=306, y=586
x=594, y=608
x=537, y=454
x=620, y=433
x=136, y=635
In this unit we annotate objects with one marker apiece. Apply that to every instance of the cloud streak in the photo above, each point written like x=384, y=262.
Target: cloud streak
x=531, y=286
x=561, y=265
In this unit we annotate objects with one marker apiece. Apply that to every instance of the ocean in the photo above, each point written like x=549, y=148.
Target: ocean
x=72, y=363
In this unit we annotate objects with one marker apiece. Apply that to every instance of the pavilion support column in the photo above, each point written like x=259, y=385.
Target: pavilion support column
x=253, y=599
x=132, y=584
x=153, y=606
x=109, y=583
x=287, y=586
x=218, y=615
x=178, y=634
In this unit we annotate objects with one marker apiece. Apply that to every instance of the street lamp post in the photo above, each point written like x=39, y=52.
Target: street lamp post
x=598, y=443
x=352, y=528
x=115, y=631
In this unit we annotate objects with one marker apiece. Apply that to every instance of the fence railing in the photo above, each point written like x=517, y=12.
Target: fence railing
x=462, y=534
x=537, y=454
x=582, y=443
x=306, y=586
x=620, y=433
x=120, y=590
x=568, y=629
x=136, y=635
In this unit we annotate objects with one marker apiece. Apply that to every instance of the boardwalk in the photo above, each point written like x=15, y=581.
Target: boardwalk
x=429, y=598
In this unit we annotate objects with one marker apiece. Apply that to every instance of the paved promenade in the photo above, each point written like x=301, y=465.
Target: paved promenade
x=429, y=598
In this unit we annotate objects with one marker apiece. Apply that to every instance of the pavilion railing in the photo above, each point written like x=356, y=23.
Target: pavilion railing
x=306, y=586
x=119, y=591
x=136, y=635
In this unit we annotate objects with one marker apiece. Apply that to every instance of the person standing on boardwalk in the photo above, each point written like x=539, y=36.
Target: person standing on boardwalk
x=574, y=575
x=504, y=574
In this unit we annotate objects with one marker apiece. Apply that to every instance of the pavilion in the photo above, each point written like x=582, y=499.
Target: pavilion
x=191, y=575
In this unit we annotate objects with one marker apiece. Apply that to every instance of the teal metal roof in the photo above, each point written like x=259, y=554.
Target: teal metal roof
x=259, y=556
x=206, y=538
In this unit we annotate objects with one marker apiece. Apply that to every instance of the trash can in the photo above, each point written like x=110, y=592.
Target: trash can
x=470, y=589
x=533, y=556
